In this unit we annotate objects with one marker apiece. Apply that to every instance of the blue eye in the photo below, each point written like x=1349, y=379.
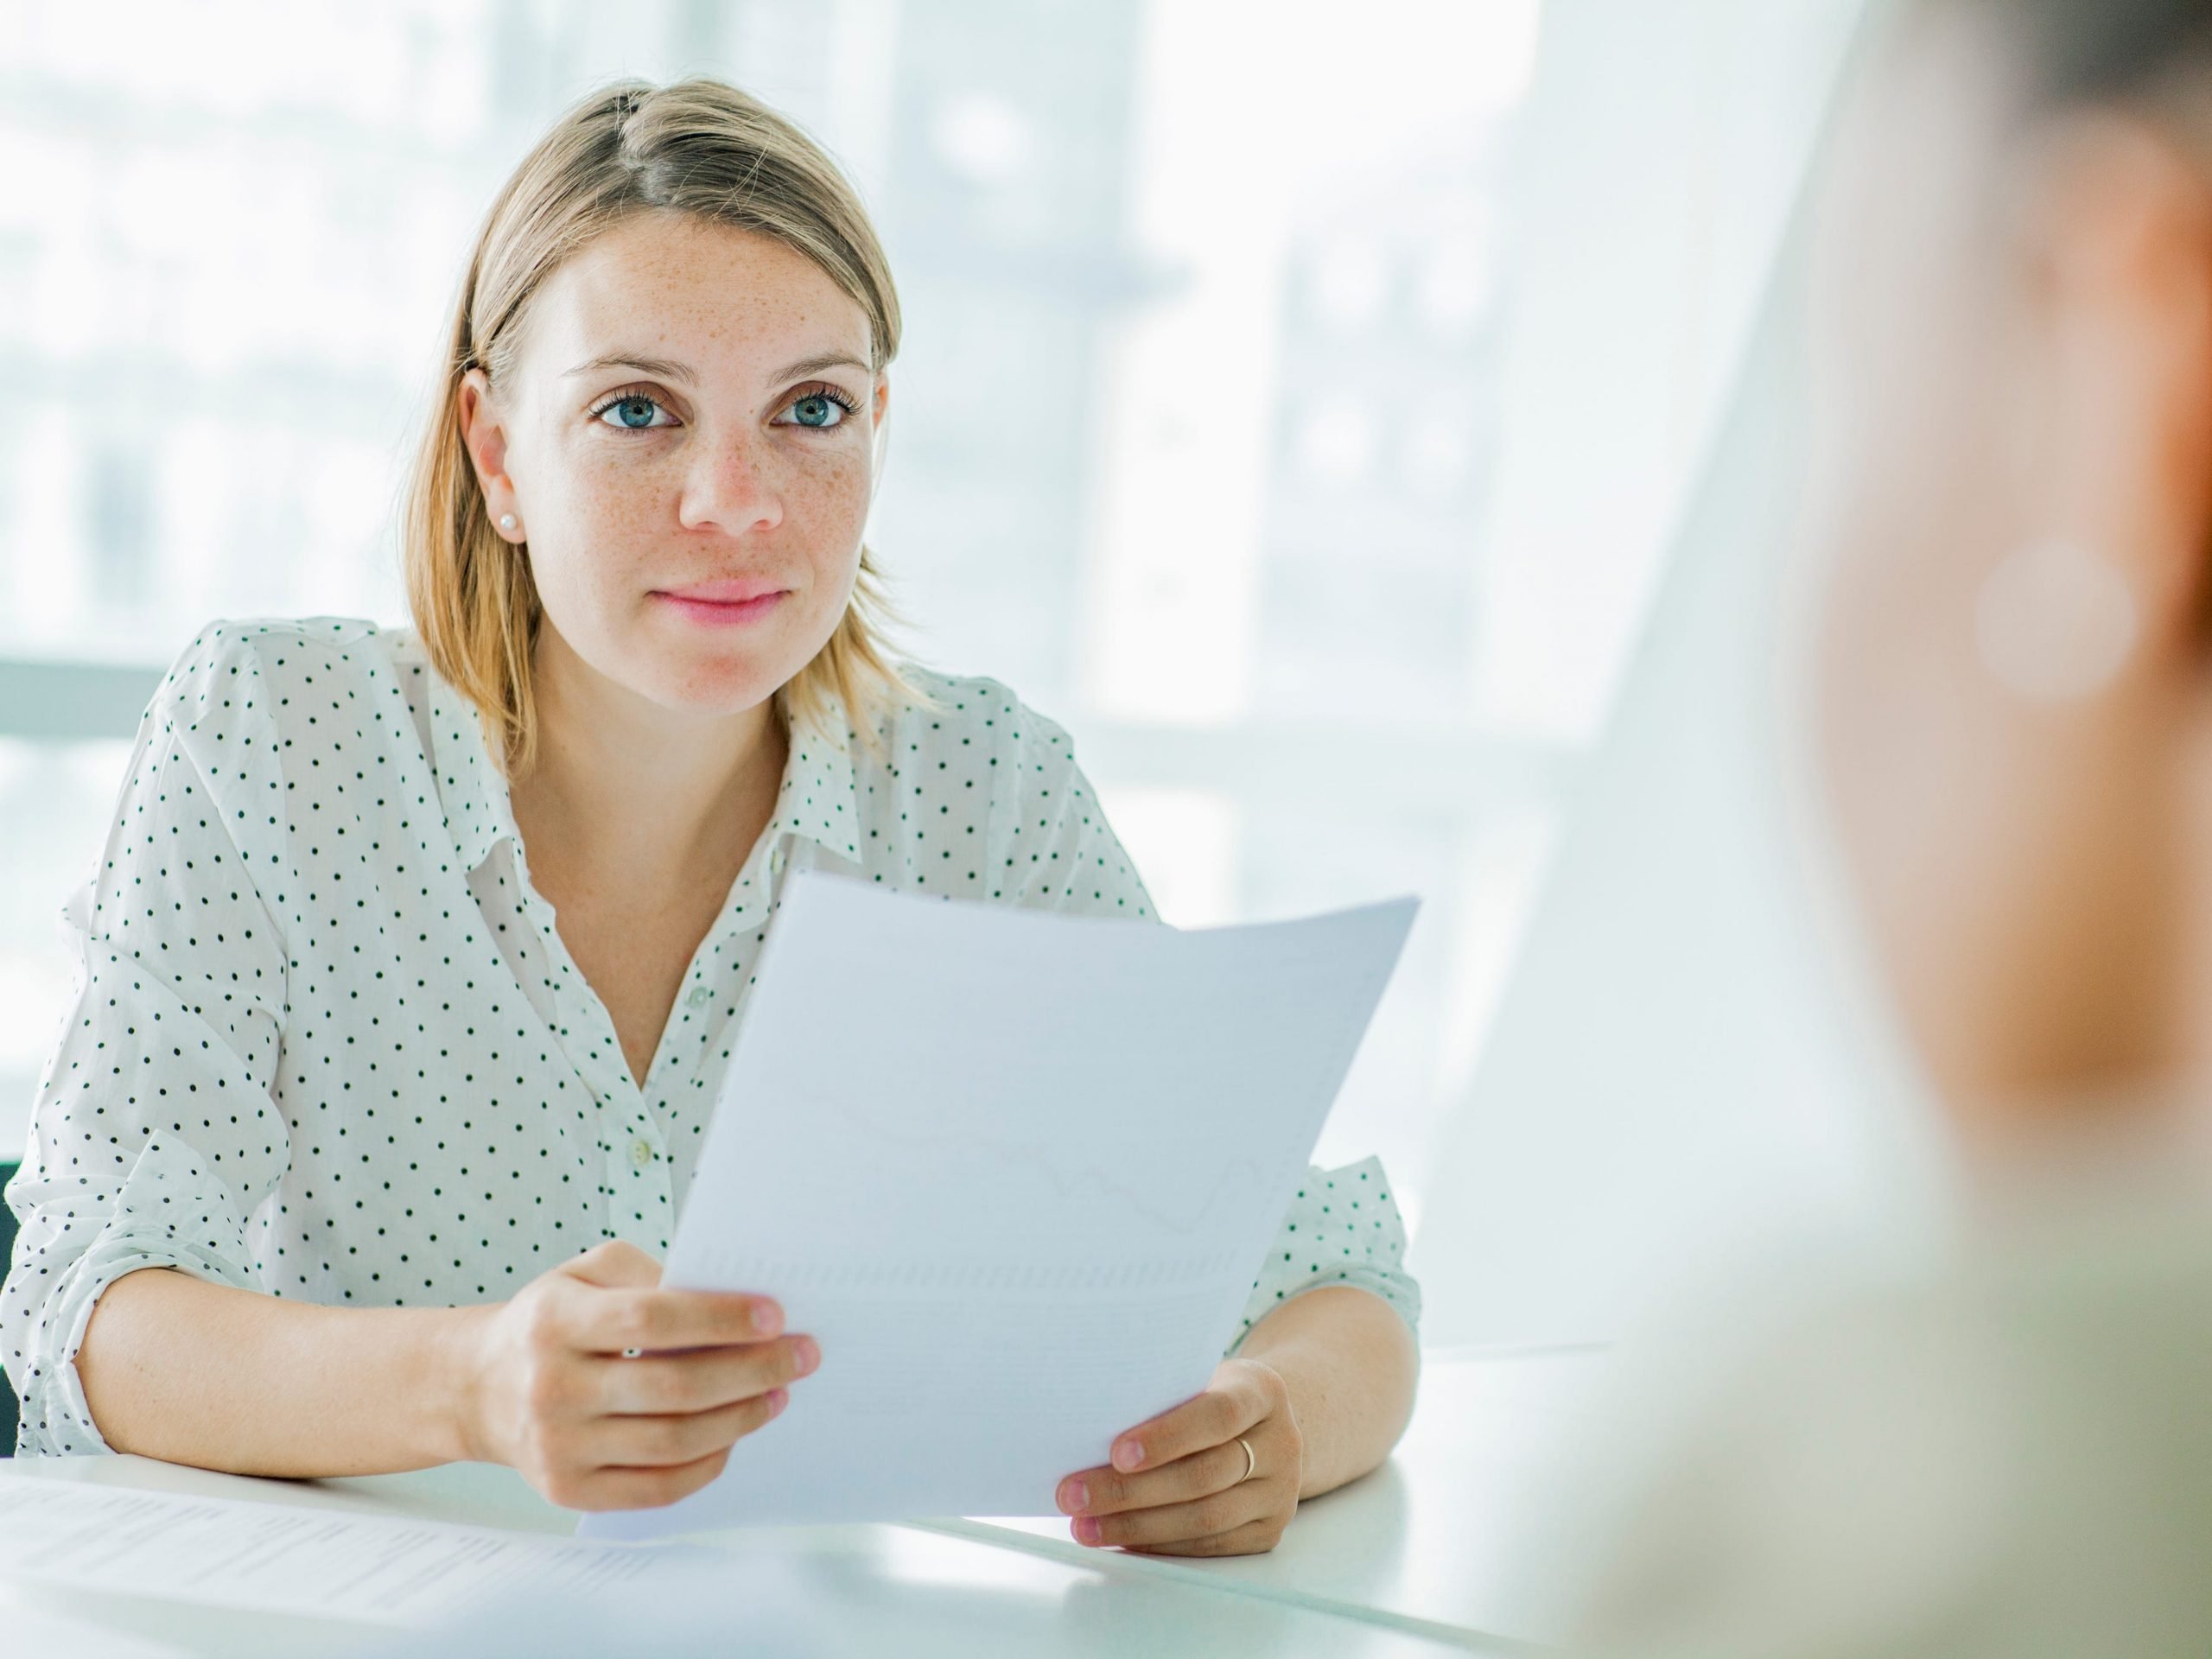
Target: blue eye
x=633, y=412
x=820, y=409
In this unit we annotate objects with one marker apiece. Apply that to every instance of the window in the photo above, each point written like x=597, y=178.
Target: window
x=1296, y=400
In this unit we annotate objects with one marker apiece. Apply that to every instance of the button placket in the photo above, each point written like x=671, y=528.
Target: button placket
x=584, y=1033
x=584, y=1030
x=637, y=1181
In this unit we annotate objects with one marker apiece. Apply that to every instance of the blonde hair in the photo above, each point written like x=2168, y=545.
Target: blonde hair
x=699, y=147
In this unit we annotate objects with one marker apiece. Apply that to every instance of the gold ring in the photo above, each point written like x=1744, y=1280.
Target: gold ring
x=1250, y=1462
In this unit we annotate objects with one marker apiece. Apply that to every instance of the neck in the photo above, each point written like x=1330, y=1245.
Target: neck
x=637, y=794
x=2101, y=1026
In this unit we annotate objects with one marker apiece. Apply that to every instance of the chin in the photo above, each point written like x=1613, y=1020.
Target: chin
x=712, y=694
x=718, y=682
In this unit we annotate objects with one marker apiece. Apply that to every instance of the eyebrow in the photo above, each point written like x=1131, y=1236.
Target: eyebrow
x=671, y=371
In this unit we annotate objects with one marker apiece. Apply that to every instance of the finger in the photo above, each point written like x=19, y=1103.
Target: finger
x=617, y=1263
x=672, y=1441
x=1176, y=1523
x=1253, y=1538
x=610, y=1321
x=658, y=1384
x=1210, y=1419
x=645, y=1489
x=1108, y=1491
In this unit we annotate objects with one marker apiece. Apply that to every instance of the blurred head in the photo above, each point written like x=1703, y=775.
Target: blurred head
x=655, y=434
x=2014, y=301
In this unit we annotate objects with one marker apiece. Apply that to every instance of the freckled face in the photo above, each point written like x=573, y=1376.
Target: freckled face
x=690, y=445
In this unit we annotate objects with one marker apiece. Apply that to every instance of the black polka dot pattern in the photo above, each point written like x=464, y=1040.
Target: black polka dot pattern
x=327, y=1042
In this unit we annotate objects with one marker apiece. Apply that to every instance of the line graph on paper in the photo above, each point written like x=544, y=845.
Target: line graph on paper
x=970, y=1186
x=1242, y=1177
x=944, y=1099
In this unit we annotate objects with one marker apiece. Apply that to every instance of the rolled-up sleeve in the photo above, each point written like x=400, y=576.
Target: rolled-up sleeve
x=1343, y=1228
x=154, y=1136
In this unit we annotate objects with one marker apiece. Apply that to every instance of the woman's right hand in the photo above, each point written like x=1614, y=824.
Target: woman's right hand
x=546, y=1389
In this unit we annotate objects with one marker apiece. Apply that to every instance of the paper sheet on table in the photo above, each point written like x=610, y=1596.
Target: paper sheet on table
x=1015, y=1172
x=286, y=1558
x=36, y=1629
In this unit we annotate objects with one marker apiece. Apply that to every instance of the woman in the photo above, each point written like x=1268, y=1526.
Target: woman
x=414, y=959
x=2009, y=1453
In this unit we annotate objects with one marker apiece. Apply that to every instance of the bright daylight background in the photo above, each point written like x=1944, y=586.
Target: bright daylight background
x=1297, y=402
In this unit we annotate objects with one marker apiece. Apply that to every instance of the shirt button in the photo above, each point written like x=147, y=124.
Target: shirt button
x=641, y=1152
x=699, y=997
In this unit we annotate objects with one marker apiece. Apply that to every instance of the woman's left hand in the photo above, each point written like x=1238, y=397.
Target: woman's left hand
x=1177, y=1484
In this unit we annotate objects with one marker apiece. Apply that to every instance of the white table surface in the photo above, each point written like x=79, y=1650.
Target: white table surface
x=1431, y=1541
x=1418, y=1558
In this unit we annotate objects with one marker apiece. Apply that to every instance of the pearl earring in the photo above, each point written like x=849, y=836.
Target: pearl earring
x=2054, y=623
x=506, y=521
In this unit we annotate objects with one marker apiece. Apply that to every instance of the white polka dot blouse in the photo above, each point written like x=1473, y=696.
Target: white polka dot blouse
x=327, y=1042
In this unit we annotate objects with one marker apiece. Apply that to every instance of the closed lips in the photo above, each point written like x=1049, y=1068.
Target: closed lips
x=724, y=593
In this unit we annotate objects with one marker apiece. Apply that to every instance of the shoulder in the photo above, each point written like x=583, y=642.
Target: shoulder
x=1980, y=1395
x=971, y=792
x=249, y=647
x=973, y=714
x=248, y=653
x=257, y=663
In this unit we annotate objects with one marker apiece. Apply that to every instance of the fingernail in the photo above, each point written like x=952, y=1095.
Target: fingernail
x=1075, y=1495
x=808, y=1355
x=768, y=1318
x=777, y=1399
x=1127, y=1455
x=1086, y=1530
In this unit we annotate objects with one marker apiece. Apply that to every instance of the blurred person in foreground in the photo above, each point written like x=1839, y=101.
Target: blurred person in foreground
x=2010, y=1451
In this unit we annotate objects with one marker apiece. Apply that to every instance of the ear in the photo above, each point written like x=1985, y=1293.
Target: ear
x=881, y=402
x=2118, y=223
x=484, y=435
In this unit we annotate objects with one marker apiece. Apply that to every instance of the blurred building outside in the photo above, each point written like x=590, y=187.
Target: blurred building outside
x=1265, y=415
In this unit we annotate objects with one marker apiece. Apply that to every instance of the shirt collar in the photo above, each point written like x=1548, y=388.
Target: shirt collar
x=471, y=785
x=816, y=803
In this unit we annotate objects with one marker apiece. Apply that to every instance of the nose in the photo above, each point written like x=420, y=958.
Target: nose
x=732, y=487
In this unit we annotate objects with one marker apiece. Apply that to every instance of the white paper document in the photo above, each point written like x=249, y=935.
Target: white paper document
x=286, y=1558
x=1015, y=1172
x=37, y=1630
